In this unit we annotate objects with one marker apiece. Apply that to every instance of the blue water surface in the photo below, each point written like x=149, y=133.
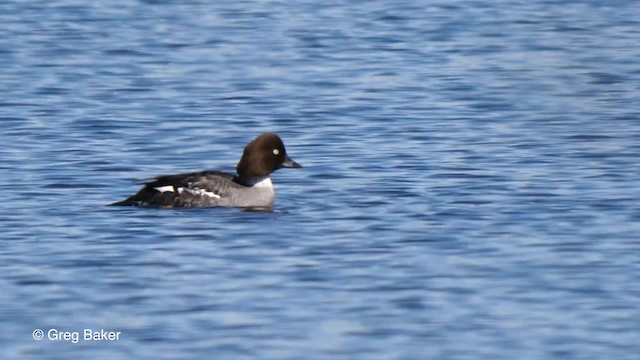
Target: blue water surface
x=470, y=184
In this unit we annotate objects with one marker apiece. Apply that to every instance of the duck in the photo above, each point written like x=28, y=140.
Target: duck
x=250, y=188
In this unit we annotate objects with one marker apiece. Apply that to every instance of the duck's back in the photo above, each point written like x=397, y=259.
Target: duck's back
x=200, y=189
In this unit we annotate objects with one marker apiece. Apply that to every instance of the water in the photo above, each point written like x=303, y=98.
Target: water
x=470, y=188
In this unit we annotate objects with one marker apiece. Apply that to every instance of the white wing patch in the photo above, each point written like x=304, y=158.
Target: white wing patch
x=167, y=188
x=198, y=192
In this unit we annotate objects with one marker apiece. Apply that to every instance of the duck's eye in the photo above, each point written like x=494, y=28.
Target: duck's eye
x=276, y=152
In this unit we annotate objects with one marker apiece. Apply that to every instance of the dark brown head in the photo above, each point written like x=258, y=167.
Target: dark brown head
x=264, y=155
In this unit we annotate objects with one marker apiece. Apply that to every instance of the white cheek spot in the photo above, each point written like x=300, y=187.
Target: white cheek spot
x=276, y=152
x=167, y=188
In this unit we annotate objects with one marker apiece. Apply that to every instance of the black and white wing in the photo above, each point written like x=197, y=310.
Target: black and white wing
x=201, y=189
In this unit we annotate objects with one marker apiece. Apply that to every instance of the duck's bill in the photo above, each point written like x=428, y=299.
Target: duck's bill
x=288, y=163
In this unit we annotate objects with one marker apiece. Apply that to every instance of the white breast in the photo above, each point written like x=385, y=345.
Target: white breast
x=263, y=183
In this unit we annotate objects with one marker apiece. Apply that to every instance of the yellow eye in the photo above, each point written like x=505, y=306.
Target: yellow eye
x=276, y=151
